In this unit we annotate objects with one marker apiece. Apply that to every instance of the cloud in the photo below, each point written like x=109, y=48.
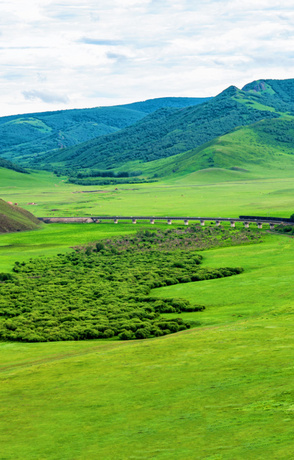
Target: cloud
x=117, y=57
x=114, y=51
x=47, y=97
x=100, y=42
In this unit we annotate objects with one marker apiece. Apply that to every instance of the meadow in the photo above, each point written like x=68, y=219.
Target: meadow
x=212, y=192
x=222, y=390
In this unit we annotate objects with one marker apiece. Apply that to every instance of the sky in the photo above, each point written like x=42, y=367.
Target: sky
x=73, y=54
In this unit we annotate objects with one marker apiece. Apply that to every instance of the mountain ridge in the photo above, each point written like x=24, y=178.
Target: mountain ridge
x=168, y=132
x=27, y=135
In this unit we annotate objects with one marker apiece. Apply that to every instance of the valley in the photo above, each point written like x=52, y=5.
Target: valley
x=149, y=341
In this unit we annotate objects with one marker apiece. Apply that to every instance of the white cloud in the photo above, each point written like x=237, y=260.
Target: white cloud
x=47, y=97
x=89, y=53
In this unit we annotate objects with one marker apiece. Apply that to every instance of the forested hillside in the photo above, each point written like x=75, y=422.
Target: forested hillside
x=132, y=135
x=24, y=136
x=168, y=132
x=9, y=165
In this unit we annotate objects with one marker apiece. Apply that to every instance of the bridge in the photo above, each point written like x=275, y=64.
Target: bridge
x=246, y=220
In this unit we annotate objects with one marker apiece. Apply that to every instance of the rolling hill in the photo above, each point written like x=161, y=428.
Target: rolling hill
x=25, y=136
x=170, y=131
x=16, y=219
x=263, y=146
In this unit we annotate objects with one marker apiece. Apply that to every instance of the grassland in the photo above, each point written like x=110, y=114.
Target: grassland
x=213, y=191
x=220, y=391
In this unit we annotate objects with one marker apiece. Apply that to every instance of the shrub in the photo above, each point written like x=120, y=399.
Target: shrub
x=142, y=333
x=126, y=335
x=6, y=277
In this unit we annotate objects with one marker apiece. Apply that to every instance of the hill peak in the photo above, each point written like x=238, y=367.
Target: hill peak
x=230, y=91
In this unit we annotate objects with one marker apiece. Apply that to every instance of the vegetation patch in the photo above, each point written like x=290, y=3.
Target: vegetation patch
x=288, y=229
x=103, y=290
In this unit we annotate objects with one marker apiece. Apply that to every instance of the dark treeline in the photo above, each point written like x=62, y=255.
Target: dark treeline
x=103, y=290
x=94, y=173
x=89, y=177
x=108, y=181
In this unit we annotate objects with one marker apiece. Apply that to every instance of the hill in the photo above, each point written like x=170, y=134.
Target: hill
x=24, y=136
x=267, y=144
x=168, y=132
x=9, y=165
x=16, y=219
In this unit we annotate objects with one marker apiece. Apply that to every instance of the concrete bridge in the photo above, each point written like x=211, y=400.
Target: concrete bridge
x=216, y=220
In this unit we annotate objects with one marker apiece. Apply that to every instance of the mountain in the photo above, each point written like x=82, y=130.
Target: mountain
x=24, y=136
x=257, y=149
x=165, y=130
x=16, y=219
x=170, y=131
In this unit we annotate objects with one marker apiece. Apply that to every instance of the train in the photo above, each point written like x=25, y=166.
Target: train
x=269, y=219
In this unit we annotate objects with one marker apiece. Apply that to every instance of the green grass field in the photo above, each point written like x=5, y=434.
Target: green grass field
x=222, y=390
x=212, y=192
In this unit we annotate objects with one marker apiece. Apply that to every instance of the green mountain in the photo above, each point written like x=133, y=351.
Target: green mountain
x=257, y=149
x=16, y=219
x=170, y=131
x=24, y=136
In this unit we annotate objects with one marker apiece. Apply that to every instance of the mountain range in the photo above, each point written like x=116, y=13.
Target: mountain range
x=159, y=137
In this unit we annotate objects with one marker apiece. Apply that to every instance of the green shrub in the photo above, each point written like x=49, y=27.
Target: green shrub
x=126, y=335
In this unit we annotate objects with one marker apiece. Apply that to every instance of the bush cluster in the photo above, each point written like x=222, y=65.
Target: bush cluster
x=103, y=290
x=285, y=229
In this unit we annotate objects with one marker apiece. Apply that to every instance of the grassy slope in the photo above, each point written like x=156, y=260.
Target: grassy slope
x=264, y=146
x=15, y=219
x=218, y=392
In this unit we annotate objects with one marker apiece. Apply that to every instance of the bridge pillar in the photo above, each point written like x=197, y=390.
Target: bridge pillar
x=233, y=224
x=134, y=221
x=115, y=221
x=152, y=221
x=259, y=225
x=202, y=222
x=217, y=223
x=186, y=222
x=169, y=221
x=246, y=224
x=272, y=226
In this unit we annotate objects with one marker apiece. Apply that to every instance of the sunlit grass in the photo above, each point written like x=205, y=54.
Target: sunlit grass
x=222, y=391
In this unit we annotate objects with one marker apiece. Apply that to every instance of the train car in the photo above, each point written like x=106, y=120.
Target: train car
x=269, y=219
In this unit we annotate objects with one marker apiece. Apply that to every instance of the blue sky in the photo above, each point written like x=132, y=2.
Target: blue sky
x=72, y=53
